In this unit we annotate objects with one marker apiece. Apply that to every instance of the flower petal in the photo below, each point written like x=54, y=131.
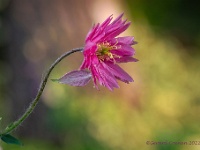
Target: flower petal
x=125, y=59
x=123, y=50
x=118, y=18
x=106, y=22
x=76, y=78
x=119, y=73
x=104, y=76
x=92, y=32
x=129, y=40
x=113, y=33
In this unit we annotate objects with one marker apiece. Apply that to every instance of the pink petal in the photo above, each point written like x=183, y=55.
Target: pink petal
x=92, y=32
x=106, y=22
x=104, y=77
x=98, y=36
x=76, y=78
x=118, y=31
x=125, y=59
x=94, y=77
x=100, y=31
x=118, y=18
x=119, y=73
x=129, y=40
x=124, y=50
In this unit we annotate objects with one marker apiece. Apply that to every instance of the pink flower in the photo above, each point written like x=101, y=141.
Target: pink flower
x=102, y=51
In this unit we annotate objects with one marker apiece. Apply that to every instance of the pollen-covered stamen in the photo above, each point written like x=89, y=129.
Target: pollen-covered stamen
x=103, y=51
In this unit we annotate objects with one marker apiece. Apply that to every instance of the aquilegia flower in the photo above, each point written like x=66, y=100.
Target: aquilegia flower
x=102, y=51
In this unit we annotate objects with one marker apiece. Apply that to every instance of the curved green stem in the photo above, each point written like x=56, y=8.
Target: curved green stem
x=32, y=105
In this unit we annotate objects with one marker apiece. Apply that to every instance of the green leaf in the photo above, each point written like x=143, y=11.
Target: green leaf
x=7, y=138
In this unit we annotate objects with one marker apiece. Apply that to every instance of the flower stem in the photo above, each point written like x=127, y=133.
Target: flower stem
x=32, y=105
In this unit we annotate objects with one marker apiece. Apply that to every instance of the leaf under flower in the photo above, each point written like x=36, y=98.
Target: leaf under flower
x=75, y=78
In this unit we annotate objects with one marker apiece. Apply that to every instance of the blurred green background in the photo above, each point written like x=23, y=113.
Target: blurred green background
x=163, y=104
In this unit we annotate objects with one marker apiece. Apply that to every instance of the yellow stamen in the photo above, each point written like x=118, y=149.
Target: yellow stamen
x=103, y=51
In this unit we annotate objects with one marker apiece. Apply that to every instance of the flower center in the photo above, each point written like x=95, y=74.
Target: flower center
x=103, y=51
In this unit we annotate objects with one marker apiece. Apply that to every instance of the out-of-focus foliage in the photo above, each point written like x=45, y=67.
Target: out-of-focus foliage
x=163, y=104
x=4, y=67
x=179, y=18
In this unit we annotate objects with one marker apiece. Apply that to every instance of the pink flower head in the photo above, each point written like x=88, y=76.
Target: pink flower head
x=102, y=51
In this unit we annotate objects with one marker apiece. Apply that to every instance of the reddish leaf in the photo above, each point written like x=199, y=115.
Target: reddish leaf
x=76, y=78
